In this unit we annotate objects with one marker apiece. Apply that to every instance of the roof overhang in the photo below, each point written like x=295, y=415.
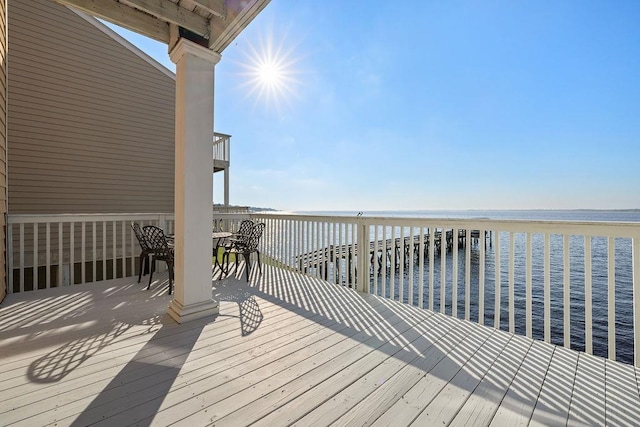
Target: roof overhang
x=214, y=23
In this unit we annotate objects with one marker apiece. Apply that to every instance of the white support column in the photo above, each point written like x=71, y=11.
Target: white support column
x=193, y=181
x=226, y=186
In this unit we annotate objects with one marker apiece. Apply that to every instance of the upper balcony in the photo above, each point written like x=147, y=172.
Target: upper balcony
x=221, y=151
x=326, y=335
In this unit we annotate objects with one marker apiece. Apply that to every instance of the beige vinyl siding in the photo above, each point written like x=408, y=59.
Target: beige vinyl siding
x=91, y=123
x=3, y=149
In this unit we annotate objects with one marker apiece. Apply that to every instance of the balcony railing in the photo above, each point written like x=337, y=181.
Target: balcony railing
x=221, y=147
x=56, y=250
x=575, y=284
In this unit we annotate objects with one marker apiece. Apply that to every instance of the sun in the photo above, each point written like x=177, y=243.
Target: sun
x=269, y=72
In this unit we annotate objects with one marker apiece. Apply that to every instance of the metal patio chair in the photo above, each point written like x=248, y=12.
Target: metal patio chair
x=144, y=246
x=160, y=251
x=245, y=247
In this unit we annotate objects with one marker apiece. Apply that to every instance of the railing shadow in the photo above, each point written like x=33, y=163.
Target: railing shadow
x=399, y=328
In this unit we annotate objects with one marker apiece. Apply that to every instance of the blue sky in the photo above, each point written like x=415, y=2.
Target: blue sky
x=410, y=105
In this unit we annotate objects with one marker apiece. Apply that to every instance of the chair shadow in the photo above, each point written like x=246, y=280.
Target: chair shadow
x=233, y=290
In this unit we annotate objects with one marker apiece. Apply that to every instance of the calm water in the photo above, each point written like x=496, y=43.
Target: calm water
x=623, y=277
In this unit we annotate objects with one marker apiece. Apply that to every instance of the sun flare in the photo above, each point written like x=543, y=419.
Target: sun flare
x=269, y=71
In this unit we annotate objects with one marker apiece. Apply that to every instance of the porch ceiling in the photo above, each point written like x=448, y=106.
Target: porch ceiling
x=212, y=22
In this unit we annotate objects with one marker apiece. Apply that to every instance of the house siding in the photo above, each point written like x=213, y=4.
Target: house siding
x=91, y=123
x=3, y=148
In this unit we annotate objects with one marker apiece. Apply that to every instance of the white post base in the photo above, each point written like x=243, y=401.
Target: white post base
x=182, y=314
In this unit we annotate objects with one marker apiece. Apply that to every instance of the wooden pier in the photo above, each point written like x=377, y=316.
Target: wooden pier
x=322, y=258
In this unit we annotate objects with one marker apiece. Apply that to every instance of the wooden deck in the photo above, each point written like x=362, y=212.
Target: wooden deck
x=286, y=349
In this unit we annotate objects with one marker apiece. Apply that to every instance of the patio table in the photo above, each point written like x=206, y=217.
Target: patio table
x=219, y=237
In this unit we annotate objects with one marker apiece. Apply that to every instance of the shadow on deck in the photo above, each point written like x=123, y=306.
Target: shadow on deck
x=286, y=348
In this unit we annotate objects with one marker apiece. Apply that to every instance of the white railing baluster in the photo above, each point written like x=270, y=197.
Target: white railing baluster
x=497, y=281
x=443, y=269
x=124, y=249
x=588, y=298
x=392, y=272
x=512, y=256
x=432, y=238
x=36, y=251
x=401, y=266
x=528, y=285
x=132, y=245
x=83, y=252
x=10, y=257
x=114, y=250
x=48, y=254
x=384, y=261
x=354, y=236
x=567, y=293
x=104, y=250
x=307, y=238
x=94, y=249
x=547, y=287
x=481, y=262
x=22, y=257
x=611, y=301
x=635, y=255
x=467, y=274
x=454, y=275
x=375, y=259
x=411, y=251
x=421, y=268
x=72, y=253
x=60, y=254
x=339, y=254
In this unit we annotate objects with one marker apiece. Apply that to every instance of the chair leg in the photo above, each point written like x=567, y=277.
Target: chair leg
x=259, y=266
x=224, y=268
x=143, y=258
x=170, y=267
x=153, y=267
x=247, y=266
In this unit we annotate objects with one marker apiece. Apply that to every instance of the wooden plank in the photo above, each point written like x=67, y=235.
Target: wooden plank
x=220, y=394
x=128, y=397
x=621, y=395
x=408, y=388
x=483, y=403
x=150, y=376
x=320, y=354
x=330, y=409
x=124, y=16
x=215, y=7
x=520, y=400
x=588, y=399
x=445, y=406
x=172, y=13
x=324, y=381
x=552, y=407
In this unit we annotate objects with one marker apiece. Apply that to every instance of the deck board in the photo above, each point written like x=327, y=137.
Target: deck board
x=483, y=403
x=286, y=349
x=552, y=407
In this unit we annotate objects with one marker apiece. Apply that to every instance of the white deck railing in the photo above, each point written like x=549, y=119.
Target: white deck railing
x=221, y=147
x=576, y=284
x=44, y=251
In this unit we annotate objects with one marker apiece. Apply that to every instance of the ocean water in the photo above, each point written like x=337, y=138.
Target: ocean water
x=600, y=289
